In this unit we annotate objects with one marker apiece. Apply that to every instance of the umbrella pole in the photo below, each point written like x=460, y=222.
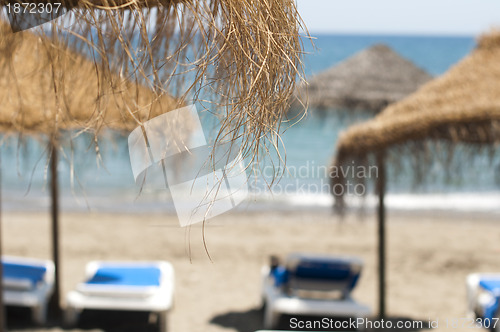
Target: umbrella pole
x=54, y=305
x=3, y=321
x=381, y=232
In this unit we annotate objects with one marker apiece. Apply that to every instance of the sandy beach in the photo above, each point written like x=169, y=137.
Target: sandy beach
x=429, y=256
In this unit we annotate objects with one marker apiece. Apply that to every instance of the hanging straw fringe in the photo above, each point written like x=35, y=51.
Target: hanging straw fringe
x=120, y=63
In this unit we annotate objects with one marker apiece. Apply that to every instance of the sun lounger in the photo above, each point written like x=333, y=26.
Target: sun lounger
x=311, y=285
x=28, y=283
x=483, y=295
x=128, y=286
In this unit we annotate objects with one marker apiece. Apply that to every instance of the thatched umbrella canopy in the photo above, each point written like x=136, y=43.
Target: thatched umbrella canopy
x=240, y=58
x=462, y=106
x=45, y=88
x=36, y=99
x=368, y=80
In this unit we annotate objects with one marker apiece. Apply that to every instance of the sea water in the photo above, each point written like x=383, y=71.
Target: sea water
x=308, y=145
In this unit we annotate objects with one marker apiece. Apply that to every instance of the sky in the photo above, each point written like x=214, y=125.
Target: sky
x=418, y=17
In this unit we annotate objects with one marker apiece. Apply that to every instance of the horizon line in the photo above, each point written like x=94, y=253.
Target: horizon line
x=393, y=33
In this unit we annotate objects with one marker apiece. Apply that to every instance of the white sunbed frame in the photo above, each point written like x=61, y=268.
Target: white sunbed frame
x=18, y=292
x=276, y=303
x=157, y=299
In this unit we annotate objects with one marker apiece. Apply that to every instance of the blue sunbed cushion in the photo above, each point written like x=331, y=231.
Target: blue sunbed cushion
x=492, y=285
x=280, y=275
x=325, y=269
x=18, y=271
x=127, y=276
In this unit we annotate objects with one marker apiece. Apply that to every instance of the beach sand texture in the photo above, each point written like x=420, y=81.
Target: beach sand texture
x=429, y=256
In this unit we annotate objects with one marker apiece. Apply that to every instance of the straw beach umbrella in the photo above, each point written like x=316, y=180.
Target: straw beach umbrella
x=368, y=80
x=462, y=106
x=34, y=100
x=46, y=87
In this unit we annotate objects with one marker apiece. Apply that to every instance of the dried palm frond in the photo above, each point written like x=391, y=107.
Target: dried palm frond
x=239, y=58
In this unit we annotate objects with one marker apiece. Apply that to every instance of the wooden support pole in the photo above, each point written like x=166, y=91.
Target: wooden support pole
x=3, y=320
x=381, y=181
x=54, y=304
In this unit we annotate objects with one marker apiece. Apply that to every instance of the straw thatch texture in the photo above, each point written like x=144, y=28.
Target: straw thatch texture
x=369, y=81
x=240, y=57
x=462, y=106
x=69, y=93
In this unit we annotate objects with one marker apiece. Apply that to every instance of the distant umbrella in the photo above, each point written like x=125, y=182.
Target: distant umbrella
x=462, y=106
x=368, y=80
x=45, y=90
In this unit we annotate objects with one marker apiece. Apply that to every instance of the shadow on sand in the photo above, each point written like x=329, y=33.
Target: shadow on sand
x=243, y=321
x=251, y=320
x=19, y=319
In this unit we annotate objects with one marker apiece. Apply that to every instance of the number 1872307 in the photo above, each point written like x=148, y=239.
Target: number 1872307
x=484, y=323
x=33, y=8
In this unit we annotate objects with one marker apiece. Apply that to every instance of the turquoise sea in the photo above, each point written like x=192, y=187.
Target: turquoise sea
x=309, y=146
